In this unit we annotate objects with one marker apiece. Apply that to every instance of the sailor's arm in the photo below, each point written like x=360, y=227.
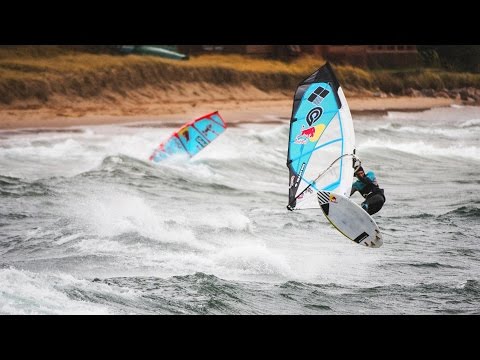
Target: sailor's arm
x=354, y=188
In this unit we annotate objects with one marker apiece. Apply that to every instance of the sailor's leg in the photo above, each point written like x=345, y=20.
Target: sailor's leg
x=374, y=204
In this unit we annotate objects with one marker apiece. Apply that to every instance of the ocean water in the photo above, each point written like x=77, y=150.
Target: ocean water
x=89, y=226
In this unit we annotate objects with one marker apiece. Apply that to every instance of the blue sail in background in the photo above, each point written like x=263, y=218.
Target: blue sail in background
x=191, y=138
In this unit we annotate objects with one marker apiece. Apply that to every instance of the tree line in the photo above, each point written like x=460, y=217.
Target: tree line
x=451, y=57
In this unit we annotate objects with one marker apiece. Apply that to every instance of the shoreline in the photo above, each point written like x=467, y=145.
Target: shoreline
x=267, y=108
x=57, y=86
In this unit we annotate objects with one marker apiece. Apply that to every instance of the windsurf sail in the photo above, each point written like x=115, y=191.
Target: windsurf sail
x=191, y=138
x=321, y=148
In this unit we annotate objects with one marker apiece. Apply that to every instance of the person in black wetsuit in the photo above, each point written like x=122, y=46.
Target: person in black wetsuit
x=367, y=186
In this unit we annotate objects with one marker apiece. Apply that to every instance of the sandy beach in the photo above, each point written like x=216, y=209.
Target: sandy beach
x=241, y=105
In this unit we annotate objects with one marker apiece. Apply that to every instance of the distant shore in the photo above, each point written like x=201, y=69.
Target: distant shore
x=147, y=108
x=51, y=86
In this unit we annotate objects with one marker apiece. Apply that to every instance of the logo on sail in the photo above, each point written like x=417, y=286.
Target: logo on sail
x=311, y=133
x=318, y=95
x=313, y=115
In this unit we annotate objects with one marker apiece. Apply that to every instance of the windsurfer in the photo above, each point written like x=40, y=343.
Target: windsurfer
x=367, y=186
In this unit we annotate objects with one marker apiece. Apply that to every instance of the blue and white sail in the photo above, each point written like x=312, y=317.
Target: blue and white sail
x=191, y=138
x=322, y=140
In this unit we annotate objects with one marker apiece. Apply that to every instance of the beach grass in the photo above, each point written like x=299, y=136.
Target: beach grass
x=38, y=72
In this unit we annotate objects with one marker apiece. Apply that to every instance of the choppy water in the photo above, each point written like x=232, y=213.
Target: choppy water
x=88, y=225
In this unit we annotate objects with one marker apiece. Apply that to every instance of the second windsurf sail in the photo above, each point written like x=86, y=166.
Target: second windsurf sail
x=191, y=138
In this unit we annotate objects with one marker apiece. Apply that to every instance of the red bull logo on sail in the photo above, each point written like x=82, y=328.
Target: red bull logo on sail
x=311, y=133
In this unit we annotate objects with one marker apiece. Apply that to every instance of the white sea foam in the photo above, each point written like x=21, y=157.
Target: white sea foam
x=470, y=123
x=24, y=292
x=253, y=259
x=422, y=148
x=108, y=213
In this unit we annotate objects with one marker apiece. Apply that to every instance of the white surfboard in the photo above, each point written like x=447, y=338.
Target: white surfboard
x=350, y=219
